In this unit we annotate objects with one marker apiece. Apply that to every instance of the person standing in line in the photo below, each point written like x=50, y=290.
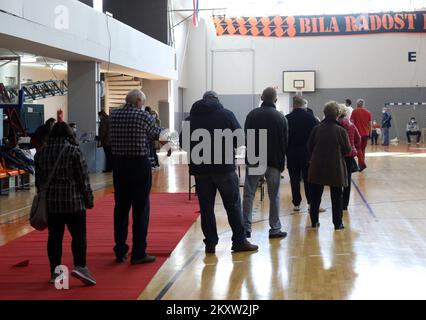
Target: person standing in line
x=69, y=194
x=328, y=144
x=300, y=125
x=212, y=176
x=105, y=139
x=355, y=141
x=39, y=137
x=152, y=152
x=267, y=117
x=413, y=130
x=375, y=132
x=361, y=118
x=386, y=124
x=155, y=143
x=132, y=131
x=348, y=104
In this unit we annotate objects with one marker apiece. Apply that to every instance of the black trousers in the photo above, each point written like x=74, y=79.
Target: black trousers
x=108, y=158
x=298, y=167
x=413, y=133
x=132, y=186
x=374, y=137
x=76, y=224
x=347, y=190
x=336, y=202
x=228, y=186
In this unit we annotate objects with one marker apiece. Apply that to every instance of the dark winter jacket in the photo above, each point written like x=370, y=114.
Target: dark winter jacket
x=267, y=117
x=209, y=114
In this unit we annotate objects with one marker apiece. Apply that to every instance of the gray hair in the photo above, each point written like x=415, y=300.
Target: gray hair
x=360, y=102
x=343, y=110
x=135, y=95
x=269, y=95
x=298, y=102
x=331, y=109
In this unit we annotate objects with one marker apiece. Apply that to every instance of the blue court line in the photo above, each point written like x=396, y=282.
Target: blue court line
x=370, y=210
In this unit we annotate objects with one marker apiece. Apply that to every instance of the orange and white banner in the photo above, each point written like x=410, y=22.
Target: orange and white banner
x=324, y=25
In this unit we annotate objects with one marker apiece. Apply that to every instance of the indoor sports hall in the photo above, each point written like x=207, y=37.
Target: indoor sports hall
x=81, y=62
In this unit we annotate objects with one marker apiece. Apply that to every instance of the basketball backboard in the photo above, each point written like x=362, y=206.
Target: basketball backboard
x=299, y=81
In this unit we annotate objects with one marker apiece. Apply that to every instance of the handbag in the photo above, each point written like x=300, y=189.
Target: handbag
x=38, y=213
x=354, y=165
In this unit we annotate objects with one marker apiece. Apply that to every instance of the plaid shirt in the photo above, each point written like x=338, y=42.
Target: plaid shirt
x=69, y=190
x=132, y=130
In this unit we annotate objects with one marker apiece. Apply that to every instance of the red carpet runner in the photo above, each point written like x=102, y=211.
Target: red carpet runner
x=171, y=216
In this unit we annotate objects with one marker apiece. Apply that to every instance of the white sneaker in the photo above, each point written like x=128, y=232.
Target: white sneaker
x=296, y=208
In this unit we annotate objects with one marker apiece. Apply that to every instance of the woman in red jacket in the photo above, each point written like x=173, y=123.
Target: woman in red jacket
x=355, y=141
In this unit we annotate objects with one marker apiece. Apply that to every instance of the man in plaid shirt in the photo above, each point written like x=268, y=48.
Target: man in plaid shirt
x=132, y=130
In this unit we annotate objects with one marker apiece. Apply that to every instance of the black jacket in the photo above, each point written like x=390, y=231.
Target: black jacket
x=267, y=117
x=300, y=125
x=210, y=115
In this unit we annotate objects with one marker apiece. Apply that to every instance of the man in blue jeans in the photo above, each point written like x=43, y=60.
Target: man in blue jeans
x=214, y=170
x=386, y=124
x=268, y=118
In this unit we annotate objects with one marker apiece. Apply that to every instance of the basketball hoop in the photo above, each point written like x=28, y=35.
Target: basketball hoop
x=299, y=90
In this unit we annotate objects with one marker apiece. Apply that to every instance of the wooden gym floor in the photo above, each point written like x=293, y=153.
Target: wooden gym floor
x=380, y=255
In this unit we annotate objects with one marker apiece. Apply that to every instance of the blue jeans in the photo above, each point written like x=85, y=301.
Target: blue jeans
x=228, y=186
x=385, y=136
x=273, y=179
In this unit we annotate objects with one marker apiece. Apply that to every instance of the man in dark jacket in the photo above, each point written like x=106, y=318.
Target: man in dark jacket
x=214, y=170
x=300, y=125
x=386, y=124
x=266, y=117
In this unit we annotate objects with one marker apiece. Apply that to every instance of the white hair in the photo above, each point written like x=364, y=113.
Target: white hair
x=135, y=95
x=360, y=102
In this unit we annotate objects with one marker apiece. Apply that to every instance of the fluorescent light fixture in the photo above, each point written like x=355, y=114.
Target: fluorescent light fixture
x=60, y=67
x=98, y=5
x=28, y=59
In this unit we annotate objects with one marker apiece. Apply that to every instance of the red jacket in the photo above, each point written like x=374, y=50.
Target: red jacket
x=354, y=137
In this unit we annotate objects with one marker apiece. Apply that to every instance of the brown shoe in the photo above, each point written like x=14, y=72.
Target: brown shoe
x=245, y=246
x=210, y=248
x=146, y=259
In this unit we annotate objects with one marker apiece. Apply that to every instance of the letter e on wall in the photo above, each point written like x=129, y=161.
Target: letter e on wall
x=412, y=56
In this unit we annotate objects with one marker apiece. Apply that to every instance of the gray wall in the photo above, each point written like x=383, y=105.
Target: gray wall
x=375, y=99
x=240, y=105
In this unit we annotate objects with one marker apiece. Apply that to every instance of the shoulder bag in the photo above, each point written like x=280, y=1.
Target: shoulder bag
x=39, y=214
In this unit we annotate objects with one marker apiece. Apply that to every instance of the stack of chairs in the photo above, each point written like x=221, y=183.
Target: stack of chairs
x=11, y=167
